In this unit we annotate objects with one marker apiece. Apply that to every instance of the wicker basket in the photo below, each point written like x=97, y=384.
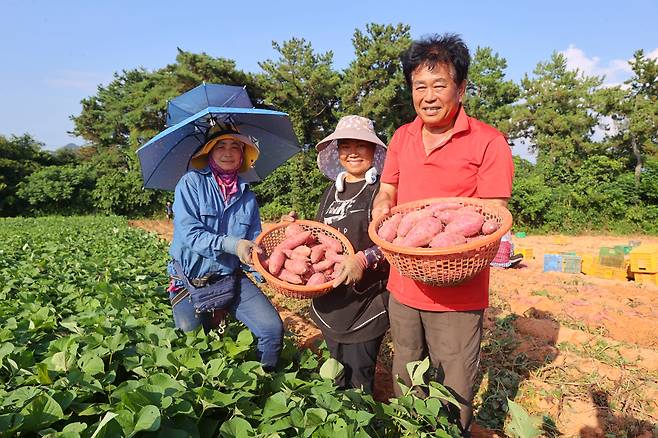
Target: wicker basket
x=444, y=266
x=274, y=235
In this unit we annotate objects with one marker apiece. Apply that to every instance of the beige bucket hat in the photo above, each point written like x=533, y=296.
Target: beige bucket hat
x=348, y=127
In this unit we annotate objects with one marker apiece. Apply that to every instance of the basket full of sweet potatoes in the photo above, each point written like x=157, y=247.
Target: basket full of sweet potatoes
x=299, y=258
x=441, y=241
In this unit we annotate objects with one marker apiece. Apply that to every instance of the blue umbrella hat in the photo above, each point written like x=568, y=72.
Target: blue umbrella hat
x=169, y=155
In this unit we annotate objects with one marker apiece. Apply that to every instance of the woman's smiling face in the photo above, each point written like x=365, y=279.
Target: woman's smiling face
x=227, y=154
x=356, y=156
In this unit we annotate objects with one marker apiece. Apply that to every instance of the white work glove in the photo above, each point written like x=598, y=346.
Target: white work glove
x=243, y=251
x=350, y=270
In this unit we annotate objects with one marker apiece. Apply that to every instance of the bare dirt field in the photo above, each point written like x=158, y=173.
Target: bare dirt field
x=578, y=351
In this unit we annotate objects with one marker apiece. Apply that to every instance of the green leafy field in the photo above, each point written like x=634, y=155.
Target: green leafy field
x=88, y=349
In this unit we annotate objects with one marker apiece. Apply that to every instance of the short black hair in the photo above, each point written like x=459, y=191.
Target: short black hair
x=448, y=48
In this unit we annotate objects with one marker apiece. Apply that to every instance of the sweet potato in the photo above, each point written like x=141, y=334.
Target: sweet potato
x=294, y=241
x=389, y=229
x=446, y=239
x=301, y=251
x=276, y=260
x=446, y=216
x=288, y=276
x=330, y=254
x=293, y=229
x=298, y=267
x=467, y=224
x=469, y=209
x=317, y=278
x=423, y=232
x=410, y=219
x=490, y=226
x=323, y=265
x=331, y=243
x=398, y=241
x=317, y=252
x=438, y=207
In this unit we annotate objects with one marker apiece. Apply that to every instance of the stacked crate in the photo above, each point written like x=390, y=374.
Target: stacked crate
x=611, y=264
x=644, y=263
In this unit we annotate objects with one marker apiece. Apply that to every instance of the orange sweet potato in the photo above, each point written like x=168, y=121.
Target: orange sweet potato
x=288, y=276
x=317, y=278
x=446, y=239
x=490, y=226
x=467, y=224
x=389, y=229
x=298, y=267
x=276, y=260
x=423, y=232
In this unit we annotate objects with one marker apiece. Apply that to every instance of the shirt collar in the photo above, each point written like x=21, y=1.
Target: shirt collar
x=461, y=123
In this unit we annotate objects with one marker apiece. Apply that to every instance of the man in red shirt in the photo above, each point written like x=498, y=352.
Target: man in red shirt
x=442, y=153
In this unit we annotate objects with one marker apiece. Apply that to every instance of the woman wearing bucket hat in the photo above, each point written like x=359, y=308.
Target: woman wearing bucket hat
x=353, y=316
x=216, y=219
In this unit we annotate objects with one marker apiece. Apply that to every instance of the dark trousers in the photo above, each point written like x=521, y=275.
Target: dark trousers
x=452, y=341
x=359, y=361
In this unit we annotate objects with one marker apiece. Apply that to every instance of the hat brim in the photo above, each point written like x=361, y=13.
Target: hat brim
x=352, y=134
x=250, y=152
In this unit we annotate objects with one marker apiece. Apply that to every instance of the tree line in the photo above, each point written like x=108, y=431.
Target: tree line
x=596, y=145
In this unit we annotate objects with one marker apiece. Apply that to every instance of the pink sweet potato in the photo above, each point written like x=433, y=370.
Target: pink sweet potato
x=302, y=251
x=293, y=256
x=410, y=219
x=446, y=216
x=333, y=256
x=389, y=229
x=276, y=260
x=298, y=267
x=398, y=241
x=467, y=224
x=469, y=209
x=317, y=252
x=446, y=239
x=294, y=241
x=288, y=276
x=423, y=232
x=438, y=207
x=293, y=230
x=317, y=278
x=331, y=243
x=323, y=265
x=490, y=226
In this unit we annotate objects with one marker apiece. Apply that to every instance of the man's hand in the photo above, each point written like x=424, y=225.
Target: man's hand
x=385, y=200
x=290, y=217
x=350, y=270
x=243, y=250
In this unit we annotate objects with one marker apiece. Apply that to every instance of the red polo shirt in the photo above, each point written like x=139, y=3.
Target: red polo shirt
x=476, y=162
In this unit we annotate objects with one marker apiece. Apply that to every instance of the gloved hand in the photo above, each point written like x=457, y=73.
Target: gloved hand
x=350, y=270
x=243, y=251
x=290, y=217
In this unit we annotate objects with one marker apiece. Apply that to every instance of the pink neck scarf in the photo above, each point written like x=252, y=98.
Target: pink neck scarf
x=227, y=180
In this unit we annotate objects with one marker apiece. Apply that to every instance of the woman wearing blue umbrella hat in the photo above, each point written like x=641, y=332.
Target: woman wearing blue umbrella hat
x=216, y=219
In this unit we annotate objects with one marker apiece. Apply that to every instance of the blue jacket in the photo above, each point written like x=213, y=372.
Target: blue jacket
x=206, y=230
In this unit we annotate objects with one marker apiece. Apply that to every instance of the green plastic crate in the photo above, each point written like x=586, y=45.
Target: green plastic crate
x=611, y=257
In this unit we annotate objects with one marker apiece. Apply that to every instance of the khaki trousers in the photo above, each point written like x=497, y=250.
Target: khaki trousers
x=452, y=341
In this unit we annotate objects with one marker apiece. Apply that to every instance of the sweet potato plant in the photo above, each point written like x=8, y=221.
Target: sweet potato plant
x=88, y=349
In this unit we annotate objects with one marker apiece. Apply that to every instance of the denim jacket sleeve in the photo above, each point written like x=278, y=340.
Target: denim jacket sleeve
x=188, y=225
